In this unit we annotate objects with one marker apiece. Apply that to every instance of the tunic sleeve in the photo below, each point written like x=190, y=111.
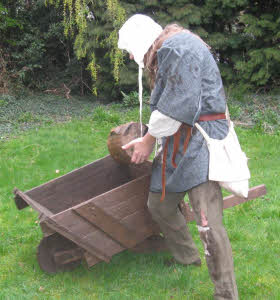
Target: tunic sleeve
x=161, y=125
x=177, y=91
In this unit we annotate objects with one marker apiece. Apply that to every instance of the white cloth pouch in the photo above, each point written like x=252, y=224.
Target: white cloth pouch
x=228, y=164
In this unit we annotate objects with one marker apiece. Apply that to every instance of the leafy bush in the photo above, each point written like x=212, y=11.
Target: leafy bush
x=244, y=36
x=37, y=53
x=132, y=99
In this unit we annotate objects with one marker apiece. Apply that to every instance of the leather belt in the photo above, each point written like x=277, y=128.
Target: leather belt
x=176, y=144
x=212, y=117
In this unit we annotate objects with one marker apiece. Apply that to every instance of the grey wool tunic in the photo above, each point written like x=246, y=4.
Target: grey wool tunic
x=188, y=84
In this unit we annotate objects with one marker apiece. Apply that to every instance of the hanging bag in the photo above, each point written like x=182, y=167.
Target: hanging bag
x=227, y=162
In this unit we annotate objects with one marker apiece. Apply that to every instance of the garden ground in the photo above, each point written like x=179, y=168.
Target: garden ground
x=39, y=144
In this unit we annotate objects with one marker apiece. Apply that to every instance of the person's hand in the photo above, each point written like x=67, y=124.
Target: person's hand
x=142, y=148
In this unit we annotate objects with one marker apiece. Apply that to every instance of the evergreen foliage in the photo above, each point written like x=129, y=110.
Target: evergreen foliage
x=212, y=20
x=75, y=41
x=260, y=63
x=36, y=52
x=244, y=35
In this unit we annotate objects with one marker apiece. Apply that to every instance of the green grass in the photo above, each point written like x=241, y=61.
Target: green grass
x=33, y=157
x=32, y=111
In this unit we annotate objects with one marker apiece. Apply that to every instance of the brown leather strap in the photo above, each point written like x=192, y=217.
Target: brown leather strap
x=176, y=144
x=212, y=117
x=163, y=169
x=188, y=137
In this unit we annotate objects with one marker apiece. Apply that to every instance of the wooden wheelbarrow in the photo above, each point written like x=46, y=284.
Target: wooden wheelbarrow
x=97, y=211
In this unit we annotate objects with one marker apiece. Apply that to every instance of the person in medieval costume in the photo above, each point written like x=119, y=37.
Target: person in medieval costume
x=186, y=88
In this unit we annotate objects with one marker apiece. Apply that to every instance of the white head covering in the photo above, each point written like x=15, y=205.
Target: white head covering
x=136, y=36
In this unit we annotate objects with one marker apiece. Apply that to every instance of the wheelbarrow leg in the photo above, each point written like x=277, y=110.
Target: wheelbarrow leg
x=56, y=253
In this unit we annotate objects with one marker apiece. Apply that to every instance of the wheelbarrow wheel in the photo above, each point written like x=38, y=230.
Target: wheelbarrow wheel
x=55, y=253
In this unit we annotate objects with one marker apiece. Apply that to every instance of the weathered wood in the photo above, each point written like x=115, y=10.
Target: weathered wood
x=123, y=207
x=254, y=192
x=232, y=200
x=104, y=242
x=91, y=260
x=78, y=238
x=110, y=225
x=137, y=220
x=48, y=254
x=83, y=183
x=68, y=256
x=136, y=171
x=89, y=232
x=34, y=204
x=47, y=231
x=154, y=243
x=19, y=202
x=142, y=222
x=80, y=184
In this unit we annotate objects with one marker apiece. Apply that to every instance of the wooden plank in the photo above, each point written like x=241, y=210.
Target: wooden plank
x=136, y=171
x=79, y=185
x=83, y=183
x=110, y=225
x=111, y=246
x=125, y=207
x=97, y=238
x=82, y=186
x=47, y=231
x=102, y=241
x=232, y=200
x=138, y=186
x=37, y=206
x=123, y=225
x=79, y=239
x=91, y=260
x=68, y=256
x=125, y=200
x=74, y=222
x=254, y=192
x=142, y=222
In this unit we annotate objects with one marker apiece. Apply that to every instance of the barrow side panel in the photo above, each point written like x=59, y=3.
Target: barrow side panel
x=77, y=238
x=104, y=239
x=82, y=184
x=107, y=223
x=136, y=171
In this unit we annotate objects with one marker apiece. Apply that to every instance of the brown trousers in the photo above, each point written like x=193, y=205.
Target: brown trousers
x=207, y=203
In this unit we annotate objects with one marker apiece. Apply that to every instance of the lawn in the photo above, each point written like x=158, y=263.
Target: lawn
x=43, y=153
